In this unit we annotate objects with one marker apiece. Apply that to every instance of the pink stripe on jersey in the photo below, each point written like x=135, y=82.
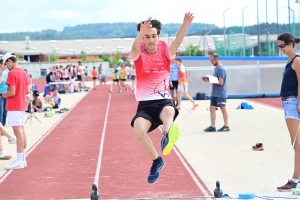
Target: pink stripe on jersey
x=153, y=73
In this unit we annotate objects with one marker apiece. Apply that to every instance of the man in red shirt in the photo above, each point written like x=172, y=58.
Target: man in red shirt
x=152, y=59
x=18, y=87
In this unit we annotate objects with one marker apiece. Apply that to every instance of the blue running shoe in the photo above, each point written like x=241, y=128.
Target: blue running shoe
x=154, y=171
x=169, y=139
x=210, y=129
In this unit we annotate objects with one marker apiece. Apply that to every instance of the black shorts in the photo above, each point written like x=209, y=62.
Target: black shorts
x=217, y=101
x=94, y=78
x=123, y=79
x=133, y=77
x=175, y=85
x=116, y=80
x=61, y=79
x=79, y=78
x=66, y=79
x=151, y=110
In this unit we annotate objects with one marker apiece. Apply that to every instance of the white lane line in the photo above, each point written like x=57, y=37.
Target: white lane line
x=97, y=175
x=42, y=138
x=200, y=186
x=202, y=189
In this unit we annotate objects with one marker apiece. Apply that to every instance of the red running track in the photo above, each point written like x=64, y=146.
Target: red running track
x=95, y=143
x=274, y=102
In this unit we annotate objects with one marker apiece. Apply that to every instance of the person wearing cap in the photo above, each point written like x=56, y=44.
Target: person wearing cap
x=18, y=87
x=37, y=103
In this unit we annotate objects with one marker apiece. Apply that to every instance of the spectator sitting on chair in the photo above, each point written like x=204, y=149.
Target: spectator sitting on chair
x=37, y=103
x=53, y=99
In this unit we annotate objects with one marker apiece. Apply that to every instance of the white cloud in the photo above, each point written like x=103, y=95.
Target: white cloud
x=63, y=14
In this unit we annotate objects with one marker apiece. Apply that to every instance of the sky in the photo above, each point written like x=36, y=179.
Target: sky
x=37, y=15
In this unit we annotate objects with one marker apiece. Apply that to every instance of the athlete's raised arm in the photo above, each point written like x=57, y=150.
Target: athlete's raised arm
x=188, y=18
x=143, y=28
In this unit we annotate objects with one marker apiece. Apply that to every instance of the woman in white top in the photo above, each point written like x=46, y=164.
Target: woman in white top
x=67, y=73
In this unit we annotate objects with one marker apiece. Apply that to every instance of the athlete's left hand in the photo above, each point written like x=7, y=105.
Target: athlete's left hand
x=188, y=18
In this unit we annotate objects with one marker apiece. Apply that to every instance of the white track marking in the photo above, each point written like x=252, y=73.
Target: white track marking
x=97, y=174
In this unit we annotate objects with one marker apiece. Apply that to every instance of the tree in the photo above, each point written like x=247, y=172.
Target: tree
x=104, y=58
x=83, y=55
x=53, y=56
x=193, y=50
x=118, y=56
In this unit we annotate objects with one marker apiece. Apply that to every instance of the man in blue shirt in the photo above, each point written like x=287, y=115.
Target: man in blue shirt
x=174, y=80
x=218, y=95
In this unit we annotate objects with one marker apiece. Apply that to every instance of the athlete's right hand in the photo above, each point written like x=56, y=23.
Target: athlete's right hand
x=145, y=27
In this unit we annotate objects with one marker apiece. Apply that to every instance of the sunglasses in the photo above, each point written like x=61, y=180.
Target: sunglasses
x=282, y=45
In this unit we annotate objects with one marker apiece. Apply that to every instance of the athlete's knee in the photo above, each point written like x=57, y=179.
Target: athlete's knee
x=168, y=111
x=141, y=127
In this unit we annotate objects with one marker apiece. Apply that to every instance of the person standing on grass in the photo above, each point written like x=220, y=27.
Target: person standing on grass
x=290, y=89
x=218, y=95
x=94, y=75
x=183, y=85
x=18, y=87
x=152, y=58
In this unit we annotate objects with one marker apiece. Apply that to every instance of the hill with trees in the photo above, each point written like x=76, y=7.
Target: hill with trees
x=128, y=30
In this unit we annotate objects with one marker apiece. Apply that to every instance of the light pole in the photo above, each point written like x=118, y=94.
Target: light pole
x=224, y=30
x=258, y=31
x=289, y=16
x=244, y=41
x=204, y=42
x=277, y=17
x=293, y=20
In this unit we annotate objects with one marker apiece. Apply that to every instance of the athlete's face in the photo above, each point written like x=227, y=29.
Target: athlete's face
x=151, y=40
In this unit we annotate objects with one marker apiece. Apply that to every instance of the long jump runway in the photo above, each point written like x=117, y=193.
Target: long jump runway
x=94, y=143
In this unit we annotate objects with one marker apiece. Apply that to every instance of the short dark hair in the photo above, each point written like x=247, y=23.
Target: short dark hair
x=288, y=38
x=215, y=56
x=1, y=61
x=53, y=89
x=155, y=24
x=178, y=59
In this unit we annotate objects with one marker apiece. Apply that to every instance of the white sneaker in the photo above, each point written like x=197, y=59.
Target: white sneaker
x=12, y=140
x=15, y=165
x=25, y=163
x=4, y=156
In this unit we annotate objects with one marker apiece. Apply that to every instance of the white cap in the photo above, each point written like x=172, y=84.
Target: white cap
x=6, y=56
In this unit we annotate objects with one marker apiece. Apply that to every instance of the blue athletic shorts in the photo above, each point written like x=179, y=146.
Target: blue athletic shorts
x=217, y=101
x=290, y=108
